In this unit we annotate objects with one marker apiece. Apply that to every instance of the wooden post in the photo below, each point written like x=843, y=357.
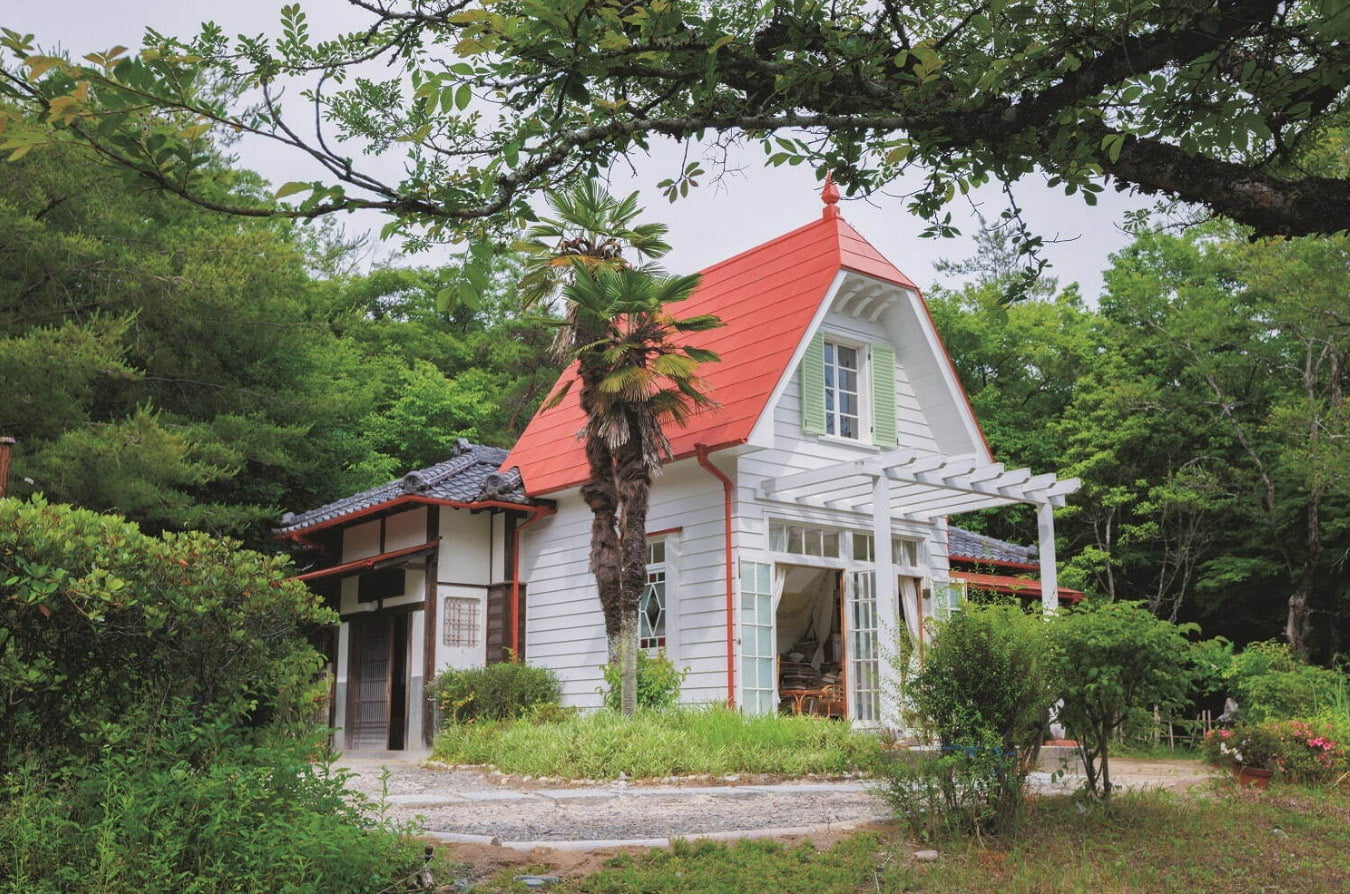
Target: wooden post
x=6, y=450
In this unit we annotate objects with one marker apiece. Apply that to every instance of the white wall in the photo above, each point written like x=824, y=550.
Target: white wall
x=564, y=625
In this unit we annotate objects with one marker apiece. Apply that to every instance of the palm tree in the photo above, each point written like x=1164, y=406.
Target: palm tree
x=633, y=377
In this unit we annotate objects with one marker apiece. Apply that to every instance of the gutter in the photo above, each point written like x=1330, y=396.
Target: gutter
x=299, y=535
x=701, y=451
x=536, y=513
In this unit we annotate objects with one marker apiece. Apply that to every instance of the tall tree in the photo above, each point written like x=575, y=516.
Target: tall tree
x=633, y=376
x=1215, y=102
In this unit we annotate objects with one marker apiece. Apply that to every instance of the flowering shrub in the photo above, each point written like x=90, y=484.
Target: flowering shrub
x=1311, y=751
x=1242, y=746
x=1307, y=751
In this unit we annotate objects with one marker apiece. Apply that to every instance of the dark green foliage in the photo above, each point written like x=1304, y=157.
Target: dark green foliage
x=250, y=821
x=503, y=691
x=1110, y=661
x=986, y=672
x=1269, y=683
x=658, y=682
x=158, y=718
x=982, y=693
x=110, y=638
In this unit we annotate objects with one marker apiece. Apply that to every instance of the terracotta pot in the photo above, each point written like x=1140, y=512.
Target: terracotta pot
x=1252, y=777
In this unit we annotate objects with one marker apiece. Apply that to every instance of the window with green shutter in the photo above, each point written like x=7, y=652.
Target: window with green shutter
x=883, y=395
x=836, y=376
x=813, y=387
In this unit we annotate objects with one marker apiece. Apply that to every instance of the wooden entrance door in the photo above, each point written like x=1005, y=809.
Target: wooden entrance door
x=376, y=708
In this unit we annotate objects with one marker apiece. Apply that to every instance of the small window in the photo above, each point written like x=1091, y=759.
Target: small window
x=843, y=392
x=802, y=540
x=461, y=623
x=652, y=607
x=905, y=551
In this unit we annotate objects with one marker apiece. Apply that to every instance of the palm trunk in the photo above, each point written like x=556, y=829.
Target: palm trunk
x=633, y=484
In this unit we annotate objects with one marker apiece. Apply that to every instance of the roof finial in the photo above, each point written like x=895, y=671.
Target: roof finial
x=830, y=196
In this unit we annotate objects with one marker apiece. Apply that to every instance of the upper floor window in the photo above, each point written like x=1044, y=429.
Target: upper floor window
x=848, y=391
x=652, y=607
x=843, y=397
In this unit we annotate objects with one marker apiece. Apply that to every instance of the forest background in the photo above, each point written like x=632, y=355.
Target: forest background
x=197, y=371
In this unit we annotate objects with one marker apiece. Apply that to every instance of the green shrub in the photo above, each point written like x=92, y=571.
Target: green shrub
x=658, y=682
x=1270, y=683
x=245, y=823
x=940, y=793
x=1314, y=751
x=1111, y=660
x=500, y=691
x=983, y=694
x=157, y=700
x=985, y=671
x=108, y=636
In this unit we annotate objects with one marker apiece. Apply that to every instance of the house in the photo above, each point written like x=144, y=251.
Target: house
x=841, y=445
x=987, y=565
x=423, y=572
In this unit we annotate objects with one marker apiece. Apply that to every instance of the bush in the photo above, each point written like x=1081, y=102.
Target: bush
x=1269, y=683
x=1112, y=660
x=108, y=637
x=955, y=790
x=658, y=682
x=241, y=824
x=157, y=723
x=983, y=693
x=502, y=691
x=985, y=671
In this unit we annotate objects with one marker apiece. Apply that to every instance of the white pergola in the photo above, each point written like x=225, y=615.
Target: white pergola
x=909, y=484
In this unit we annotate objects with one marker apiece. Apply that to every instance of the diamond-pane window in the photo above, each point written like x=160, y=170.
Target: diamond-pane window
x=652, y=608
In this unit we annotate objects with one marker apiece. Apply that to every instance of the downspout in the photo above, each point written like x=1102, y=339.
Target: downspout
x=536, y=513
x=701, y=450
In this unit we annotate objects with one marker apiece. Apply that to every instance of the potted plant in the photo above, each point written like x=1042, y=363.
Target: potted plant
x=1250, y=752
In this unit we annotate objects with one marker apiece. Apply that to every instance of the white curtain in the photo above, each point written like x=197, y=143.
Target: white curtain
x=909, y=605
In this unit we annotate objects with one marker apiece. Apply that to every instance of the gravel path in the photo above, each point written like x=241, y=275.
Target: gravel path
x=469, y=805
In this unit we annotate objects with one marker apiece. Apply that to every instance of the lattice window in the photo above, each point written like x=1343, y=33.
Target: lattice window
x=843, y=400
x=652, y=608
x=461, y=622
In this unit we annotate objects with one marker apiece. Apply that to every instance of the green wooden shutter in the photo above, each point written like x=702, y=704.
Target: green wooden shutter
x=883, y=396
x=813, y=387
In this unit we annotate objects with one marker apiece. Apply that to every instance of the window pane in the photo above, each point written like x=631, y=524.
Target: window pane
x=830, y=544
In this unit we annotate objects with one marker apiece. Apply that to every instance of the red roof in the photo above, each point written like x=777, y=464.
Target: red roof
x=766, y=298
x=1017, y=586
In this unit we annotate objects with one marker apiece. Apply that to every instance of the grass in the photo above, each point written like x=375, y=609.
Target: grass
x=1287, y=840
x=714, y=741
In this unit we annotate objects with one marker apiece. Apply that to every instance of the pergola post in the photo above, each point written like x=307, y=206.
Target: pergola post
x=888, y=603
x=1045, y=528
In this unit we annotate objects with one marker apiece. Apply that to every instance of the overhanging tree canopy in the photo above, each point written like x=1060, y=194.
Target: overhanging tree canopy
x=1217, y=102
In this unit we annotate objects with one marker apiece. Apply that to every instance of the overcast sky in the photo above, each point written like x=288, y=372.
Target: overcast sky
x=748, y=206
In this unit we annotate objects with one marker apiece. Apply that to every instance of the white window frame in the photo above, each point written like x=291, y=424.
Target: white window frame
x=863, y=383
x=658, y=584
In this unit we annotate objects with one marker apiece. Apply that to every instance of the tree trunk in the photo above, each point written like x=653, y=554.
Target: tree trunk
x=633, y=484
x=627, y=646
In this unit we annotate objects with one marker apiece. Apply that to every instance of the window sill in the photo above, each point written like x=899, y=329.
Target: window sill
x=849, y=442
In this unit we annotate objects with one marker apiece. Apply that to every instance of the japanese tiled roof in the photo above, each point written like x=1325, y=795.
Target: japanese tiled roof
x=962, y=544
x=766, y=298
x=469, y=478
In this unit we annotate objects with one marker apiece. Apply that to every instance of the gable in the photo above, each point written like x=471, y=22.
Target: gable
x=769, y=299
